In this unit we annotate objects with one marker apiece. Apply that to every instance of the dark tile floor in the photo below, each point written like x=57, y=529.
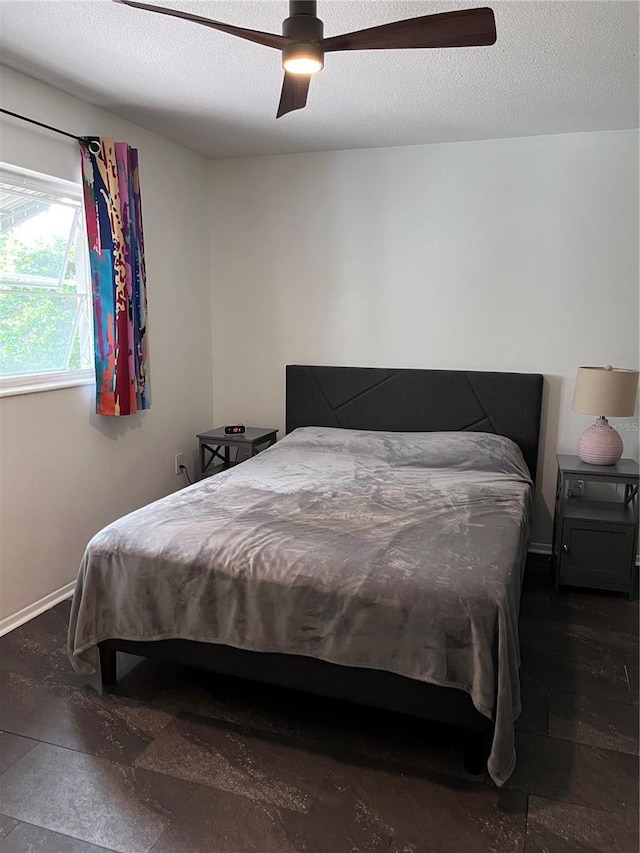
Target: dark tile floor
x=174, y=760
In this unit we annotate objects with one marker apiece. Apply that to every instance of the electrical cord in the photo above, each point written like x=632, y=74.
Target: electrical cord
x=186, y=473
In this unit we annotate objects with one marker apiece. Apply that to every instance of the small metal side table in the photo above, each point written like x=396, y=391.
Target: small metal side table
x=210, y=444
x=595, y=541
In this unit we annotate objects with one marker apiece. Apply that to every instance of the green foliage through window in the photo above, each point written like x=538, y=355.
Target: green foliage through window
x=44, y=304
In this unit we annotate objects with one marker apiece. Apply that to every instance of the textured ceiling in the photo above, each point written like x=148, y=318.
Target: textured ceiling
x=557, y=67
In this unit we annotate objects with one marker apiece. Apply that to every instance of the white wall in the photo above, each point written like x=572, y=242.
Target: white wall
x=515, y=254
x=66, y=472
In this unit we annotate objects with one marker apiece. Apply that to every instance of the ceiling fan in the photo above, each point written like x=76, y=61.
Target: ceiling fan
x=303, y=46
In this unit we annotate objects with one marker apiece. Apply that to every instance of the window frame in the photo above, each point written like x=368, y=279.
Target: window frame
x=50, y=380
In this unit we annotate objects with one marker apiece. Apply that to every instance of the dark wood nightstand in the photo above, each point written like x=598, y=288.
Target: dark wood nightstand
x=595, y=541
x=210, y=443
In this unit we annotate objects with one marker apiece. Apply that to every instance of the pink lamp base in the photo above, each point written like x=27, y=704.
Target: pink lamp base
x=600, y=444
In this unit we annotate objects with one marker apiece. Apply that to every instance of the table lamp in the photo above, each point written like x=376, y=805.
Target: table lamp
x=603, y=391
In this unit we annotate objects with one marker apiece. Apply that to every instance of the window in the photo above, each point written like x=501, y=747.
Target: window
x=45, y=307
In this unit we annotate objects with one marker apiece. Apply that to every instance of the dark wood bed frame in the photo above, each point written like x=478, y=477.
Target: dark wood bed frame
x=382, y=399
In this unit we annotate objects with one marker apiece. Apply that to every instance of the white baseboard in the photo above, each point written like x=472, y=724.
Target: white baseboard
x=540, y=548
x=32, y=610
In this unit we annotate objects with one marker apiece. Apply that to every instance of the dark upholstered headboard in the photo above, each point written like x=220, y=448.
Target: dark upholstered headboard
x=418, y=401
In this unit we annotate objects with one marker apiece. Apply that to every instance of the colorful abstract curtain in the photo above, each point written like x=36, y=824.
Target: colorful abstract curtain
x=116, y=251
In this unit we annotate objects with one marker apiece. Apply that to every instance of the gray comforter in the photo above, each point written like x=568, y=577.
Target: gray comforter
x=395, y=551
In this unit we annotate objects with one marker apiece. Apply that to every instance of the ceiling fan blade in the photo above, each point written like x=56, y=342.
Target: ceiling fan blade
x=464, y=28
x=267, y=39
x=295, y=88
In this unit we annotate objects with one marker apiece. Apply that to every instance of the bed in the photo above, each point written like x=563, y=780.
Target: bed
x=375, y=554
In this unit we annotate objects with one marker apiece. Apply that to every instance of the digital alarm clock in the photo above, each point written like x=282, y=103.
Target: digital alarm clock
x=234, y=429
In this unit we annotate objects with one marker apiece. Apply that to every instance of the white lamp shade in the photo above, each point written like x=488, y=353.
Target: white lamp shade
x=605, y=391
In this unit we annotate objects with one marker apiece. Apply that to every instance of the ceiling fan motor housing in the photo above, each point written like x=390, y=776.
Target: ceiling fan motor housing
x=305, y=29
x=302, y=23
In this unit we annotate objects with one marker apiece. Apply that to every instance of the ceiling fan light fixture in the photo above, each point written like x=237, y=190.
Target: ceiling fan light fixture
x=303, y=58
x=302, y=65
